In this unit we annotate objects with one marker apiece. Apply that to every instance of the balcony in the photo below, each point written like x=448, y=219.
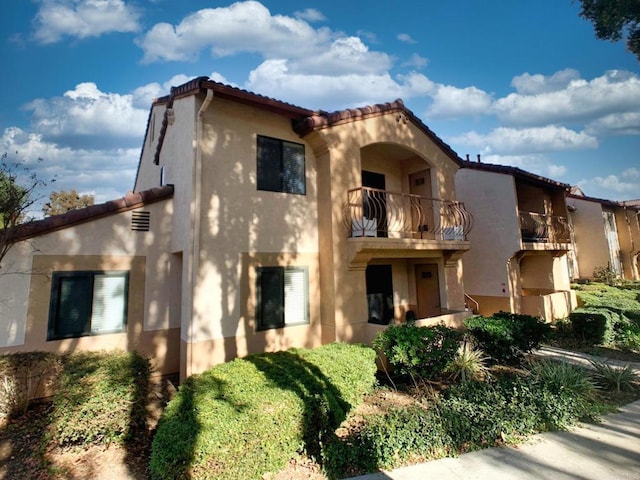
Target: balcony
x=370, y=212
x=541, y=228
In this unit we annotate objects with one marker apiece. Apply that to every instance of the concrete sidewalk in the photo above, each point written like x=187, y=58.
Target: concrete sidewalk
x=604, y=451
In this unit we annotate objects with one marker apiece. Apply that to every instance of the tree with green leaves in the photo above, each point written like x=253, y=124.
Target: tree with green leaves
x=613, y=19
x=65, y=201
x=19, y=191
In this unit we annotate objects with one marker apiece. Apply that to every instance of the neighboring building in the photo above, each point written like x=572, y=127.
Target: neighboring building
x=96, y=278
x=520, y=240
x=606, y=235
x=285, y=227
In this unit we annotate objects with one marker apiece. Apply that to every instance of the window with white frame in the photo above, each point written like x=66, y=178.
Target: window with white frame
x=282, y=297
x=280, y=166
x=87, y=303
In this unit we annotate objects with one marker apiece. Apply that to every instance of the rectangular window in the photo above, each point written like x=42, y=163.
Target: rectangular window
x=87, y=303
x=281, y=166
x=282, y=297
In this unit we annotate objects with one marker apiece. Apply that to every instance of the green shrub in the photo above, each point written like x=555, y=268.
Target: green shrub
x=24, y=377
x=421, y=352
x=101, y=398
x=245, y=418
x=614, y=379
x=594, y=326
x=387, y=441
x=506, y=336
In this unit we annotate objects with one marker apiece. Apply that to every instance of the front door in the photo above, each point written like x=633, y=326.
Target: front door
x=428, y=290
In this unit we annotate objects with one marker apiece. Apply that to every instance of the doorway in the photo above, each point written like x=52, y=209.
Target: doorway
x=427, y=290
x=374, y=202
x=379, y=294
x=422, y=208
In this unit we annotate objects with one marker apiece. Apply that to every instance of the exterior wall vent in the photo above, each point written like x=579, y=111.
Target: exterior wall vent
x=140, y=221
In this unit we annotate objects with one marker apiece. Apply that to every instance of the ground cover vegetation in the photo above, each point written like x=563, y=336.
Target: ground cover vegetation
x=440, y=392
x=606, y=323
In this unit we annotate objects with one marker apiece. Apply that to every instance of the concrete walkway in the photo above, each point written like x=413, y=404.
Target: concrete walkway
x=609, y=450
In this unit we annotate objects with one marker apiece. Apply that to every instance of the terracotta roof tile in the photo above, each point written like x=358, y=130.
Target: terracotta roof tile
x=82, y=215
x=516, y=172
x=320, y=120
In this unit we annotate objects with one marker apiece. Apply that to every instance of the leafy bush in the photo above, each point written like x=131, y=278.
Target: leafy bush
x=101, y=398
x=24, y=377
x=506, y=336
x=250, y=416
x=614, y=379
x=421, y=352
x=468, y=416
x=594, y=326
x=605, y=275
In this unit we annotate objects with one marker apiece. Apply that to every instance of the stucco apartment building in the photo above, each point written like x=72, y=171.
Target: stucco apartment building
x=518, y=260
x=606, y=235
x=255, y=225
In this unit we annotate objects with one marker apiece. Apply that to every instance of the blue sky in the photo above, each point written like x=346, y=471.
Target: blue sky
x=521, y=83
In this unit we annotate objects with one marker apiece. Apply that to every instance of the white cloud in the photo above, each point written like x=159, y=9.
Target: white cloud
x=416, y=61
x=83, y=18
x=527, y=84
x=528, y=140
x=274, y=78
x=406, y=38
x=87, y=116
x=621, y=186
x=579, y=101
x=144, y=96
x=241, y=27
x=310, y=15
x=615, y=124
x=107, y=174
x=449, y=101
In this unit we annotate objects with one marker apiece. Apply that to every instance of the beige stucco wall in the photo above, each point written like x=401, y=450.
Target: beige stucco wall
x=591, y=246
x=342, y=152
x=103, y=244
x=495, y=237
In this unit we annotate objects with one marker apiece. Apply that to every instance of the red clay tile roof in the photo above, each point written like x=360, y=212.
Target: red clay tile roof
x=82, y=215
x=320, y=120
x=516, y=172
x=303, y=120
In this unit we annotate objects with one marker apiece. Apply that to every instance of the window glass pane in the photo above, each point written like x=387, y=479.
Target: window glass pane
x=295, y=296
x=293, y=177
x=71, y=317
x=109, y=302
x=269, y=164
x=270, y=298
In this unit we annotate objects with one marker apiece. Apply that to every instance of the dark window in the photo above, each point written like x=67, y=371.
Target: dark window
x=281, y=166
x=87, y=303
x=379, y=293
x=282, y=297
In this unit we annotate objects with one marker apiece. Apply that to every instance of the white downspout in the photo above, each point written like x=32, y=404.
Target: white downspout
x=196, y=214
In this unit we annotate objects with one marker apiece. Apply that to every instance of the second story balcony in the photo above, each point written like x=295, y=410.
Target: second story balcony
x=371, y=212
x=541, y=228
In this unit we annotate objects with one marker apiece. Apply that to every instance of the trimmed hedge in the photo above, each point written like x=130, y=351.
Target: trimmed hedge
x=101, y=398
x=594, y=326
x=242, y=419
x=505, y=337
